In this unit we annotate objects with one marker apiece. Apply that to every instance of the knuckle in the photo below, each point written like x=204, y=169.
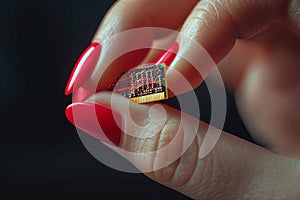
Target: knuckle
x=211, y=14
x=215, y=8
x=149, y=141
x=205, y=10
x=167, y=152
x=184, y=171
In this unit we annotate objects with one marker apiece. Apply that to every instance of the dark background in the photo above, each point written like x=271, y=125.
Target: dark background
x=41, y=153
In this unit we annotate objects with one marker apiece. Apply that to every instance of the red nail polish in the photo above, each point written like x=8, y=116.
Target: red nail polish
x=168, y=55
x=83, y=67
x=96, y=120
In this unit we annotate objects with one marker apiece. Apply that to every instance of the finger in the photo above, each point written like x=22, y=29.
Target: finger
x=216, y=25
x=269, y=97
x=234, y=169
x=266, y=74
x=235, y=64
x=129, y=15
x=246, y=52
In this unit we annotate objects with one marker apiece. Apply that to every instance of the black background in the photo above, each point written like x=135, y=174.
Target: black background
x=41, y=153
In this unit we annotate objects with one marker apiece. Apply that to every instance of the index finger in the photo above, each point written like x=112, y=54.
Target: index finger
x=126, y=15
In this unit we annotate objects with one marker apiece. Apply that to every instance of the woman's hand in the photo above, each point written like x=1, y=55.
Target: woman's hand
x=261, y=44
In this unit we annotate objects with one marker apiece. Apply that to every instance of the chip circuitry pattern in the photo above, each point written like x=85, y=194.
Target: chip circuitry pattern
x=143, y=84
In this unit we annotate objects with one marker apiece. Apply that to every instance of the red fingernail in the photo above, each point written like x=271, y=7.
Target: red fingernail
x=83, y=67
x=168, y=55
x=96, y=120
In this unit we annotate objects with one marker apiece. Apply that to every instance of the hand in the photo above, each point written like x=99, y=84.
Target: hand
x=256, y=44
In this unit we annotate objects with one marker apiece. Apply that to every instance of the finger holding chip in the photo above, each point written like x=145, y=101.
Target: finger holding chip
x=251, y=171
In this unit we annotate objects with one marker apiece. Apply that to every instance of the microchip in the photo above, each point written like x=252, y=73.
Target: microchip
x=143, y=84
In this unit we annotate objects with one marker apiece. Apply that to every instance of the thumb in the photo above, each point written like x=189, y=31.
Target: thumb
x=164, y=144
x=214, y=26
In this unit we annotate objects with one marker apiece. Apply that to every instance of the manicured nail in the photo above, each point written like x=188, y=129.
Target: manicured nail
x=168, y=55
x=83, y=67
x=96, y=120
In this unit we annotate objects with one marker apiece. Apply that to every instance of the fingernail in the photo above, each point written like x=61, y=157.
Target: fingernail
x=83, y=67
x=96, y=120
x=168, y=55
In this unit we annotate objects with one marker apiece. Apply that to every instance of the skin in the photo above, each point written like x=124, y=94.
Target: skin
x=242, y=37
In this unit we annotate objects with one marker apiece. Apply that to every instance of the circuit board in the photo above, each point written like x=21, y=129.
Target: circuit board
x=143, y=84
